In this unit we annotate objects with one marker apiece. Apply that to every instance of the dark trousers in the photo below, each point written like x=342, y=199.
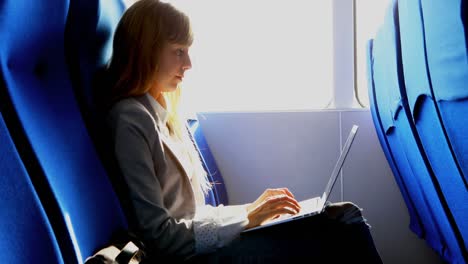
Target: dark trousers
x=316, y=239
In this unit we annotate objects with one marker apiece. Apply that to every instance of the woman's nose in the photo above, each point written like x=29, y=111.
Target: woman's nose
x=187, y=63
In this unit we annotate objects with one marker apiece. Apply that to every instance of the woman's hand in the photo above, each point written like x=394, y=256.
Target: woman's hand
x=270, y=205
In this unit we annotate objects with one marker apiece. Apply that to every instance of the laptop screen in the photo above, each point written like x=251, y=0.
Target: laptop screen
x=339, y=163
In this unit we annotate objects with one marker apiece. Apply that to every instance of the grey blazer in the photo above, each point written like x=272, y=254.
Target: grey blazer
x=163, y=201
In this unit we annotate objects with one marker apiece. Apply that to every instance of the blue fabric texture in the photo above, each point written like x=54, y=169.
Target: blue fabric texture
x=426, y=114
x=413, y=131
x=384, y=60
x=413, y=53
x=88, y=45
x=446, y=47
x=447, y=58
x=23, y=224
x=415, y=219
x=41, y=95
x=218, y=194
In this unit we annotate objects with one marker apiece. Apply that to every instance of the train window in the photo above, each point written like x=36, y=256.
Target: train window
x=259, y=55
x=369, y=15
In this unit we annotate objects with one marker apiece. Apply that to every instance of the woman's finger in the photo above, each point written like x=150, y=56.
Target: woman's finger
x=271, y=208
x=280, y=202
x=281, y=191
x=277, y=212
x=286, y=190
x=285, y=197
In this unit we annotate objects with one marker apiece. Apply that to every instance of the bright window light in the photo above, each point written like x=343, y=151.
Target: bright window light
x=259, y=55
x=369, y=16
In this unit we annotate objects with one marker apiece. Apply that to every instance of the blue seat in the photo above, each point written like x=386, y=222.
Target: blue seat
x=82, y=207
x=446, y=48
x=25, y=230
x=218, y=194
x=404, y=141
x=415, y=219
x=88, y=46
x=381, y=105
x=426, y=116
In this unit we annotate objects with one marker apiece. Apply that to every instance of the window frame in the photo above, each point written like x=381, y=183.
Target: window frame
x=345, y=92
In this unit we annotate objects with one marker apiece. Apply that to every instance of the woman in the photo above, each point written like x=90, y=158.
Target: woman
x=166, y=181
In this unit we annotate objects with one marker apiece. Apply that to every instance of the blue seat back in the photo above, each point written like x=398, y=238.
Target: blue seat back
x=426, y=118
x=88, y=46
x=445, y=28
x=26, y=235
x=218, y=194
x=404, y=142
x=447, y=57
x=415, y=219
x=63, y=158
x=385, y=75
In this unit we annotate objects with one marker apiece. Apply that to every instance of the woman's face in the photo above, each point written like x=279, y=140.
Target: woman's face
x=174, y=61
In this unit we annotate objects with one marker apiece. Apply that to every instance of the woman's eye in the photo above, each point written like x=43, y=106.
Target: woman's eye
x=180, y=52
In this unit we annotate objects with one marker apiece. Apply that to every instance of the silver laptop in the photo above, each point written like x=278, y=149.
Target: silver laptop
x=316, y=205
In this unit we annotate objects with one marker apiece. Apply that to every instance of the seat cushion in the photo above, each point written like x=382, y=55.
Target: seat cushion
x=63, y=158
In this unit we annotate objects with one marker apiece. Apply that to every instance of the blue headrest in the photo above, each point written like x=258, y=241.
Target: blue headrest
x=88, y=45
x=40, y=94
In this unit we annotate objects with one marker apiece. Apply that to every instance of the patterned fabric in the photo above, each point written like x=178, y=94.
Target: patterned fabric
x=215, y=227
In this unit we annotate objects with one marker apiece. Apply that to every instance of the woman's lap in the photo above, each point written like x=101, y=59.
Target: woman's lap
x=318, y=239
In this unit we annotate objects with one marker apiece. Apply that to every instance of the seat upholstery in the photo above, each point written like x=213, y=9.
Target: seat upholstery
x=426, y=115
x=381, y=83
x=447, y=59
x=415, y=219
x=23, y=224
x=89, y=33
x=88, y=46
x=405, y=144
x=218, y=194
x=62, y=160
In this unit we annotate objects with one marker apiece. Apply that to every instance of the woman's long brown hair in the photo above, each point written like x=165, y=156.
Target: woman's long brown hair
x=141, y=34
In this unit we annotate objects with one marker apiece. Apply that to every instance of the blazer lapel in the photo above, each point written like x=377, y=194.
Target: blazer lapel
x=163, y=133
